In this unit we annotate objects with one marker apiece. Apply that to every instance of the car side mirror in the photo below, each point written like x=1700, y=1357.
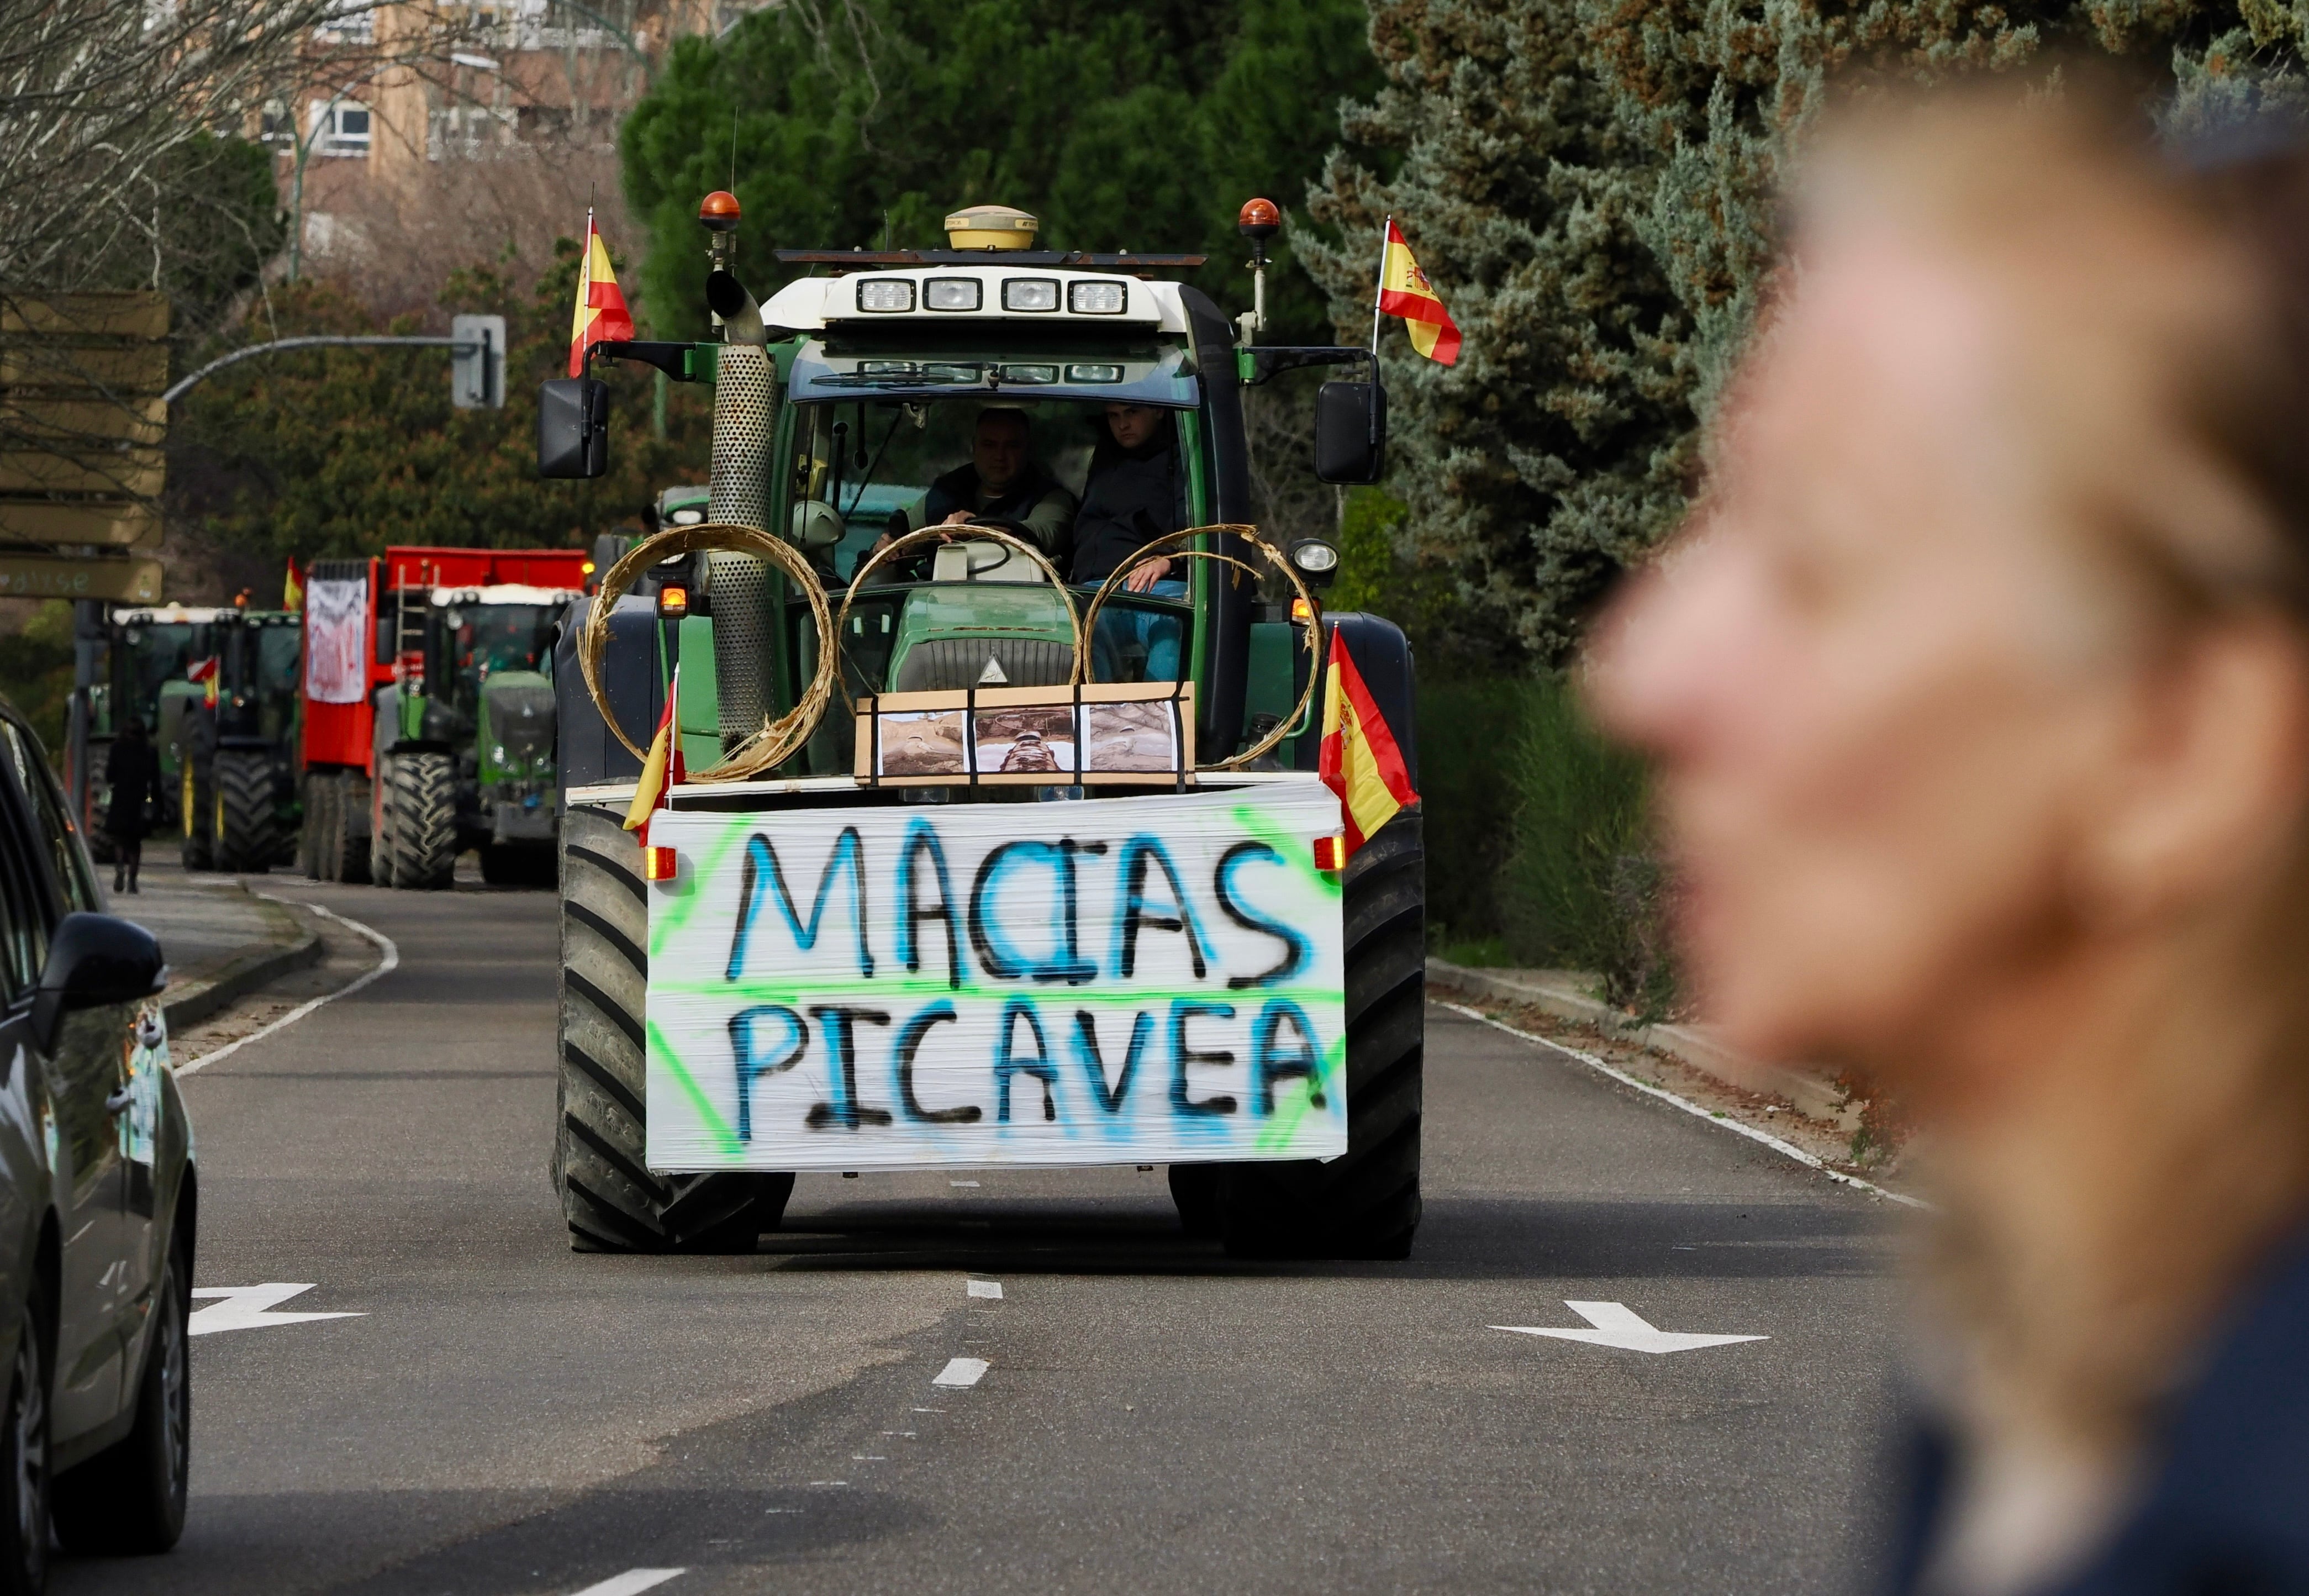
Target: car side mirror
x=1350, y=432
x=572, y=428
x=94, y=961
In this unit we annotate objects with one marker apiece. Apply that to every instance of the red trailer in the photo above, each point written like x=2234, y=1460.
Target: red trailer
x=364, y=629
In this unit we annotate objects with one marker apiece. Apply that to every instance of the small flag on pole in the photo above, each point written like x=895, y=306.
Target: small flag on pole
x=1404, y=290
x=1359, y=760
x=661, y=770
x=292, y=591
x=601, y=314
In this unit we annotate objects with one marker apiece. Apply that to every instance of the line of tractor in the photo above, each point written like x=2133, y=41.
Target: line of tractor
x=397, y=712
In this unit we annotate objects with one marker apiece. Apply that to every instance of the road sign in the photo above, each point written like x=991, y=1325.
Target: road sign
x=477, y=362
x=1615, y=1324
x=132, y=580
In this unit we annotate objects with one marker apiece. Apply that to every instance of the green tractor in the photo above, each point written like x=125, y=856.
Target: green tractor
x=149, y=653
x=465, y=736
x=785, y=975
x=237, y=805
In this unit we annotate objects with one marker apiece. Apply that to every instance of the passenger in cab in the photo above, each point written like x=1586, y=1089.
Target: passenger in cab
x=1002, y=483
x=1133, y=497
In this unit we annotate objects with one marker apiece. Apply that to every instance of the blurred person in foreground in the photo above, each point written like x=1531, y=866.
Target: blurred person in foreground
x=1979, y=695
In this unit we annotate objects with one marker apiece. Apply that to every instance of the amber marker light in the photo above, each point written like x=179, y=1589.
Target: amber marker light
x=659, y=864
x=1258, y=219
x=719, y=211
x=672, y=601
x=1300, y=610
x=1330, y=853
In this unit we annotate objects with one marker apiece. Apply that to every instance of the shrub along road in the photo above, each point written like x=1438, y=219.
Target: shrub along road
x=502, y=1415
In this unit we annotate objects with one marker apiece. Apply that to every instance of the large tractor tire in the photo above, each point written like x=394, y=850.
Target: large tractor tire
x=321, y=794
x=420, y=803
x=348, y=830
x=613, y=1202
x=247, y=838
x=196, y=815
x=1364, y=1204
x=380, y=831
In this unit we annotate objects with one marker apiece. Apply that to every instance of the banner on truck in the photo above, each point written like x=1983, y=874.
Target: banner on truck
x=1144, y=980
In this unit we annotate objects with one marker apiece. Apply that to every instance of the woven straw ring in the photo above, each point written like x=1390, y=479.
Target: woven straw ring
x=773, y=741
x=1274, y=557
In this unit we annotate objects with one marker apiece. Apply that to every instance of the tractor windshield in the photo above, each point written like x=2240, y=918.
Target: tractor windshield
x=158, y=652
x=488, y=638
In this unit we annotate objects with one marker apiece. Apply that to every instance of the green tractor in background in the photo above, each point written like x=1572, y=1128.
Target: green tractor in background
x=148, y=655
x=465, y=738
x=238, y=801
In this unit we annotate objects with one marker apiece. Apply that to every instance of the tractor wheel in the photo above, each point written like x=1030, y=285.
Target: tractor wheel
x=196, y=813
x=321, y=796
x=353, y=847
x=1364, y=1204
x=247, y=839
x=422, y=802
x=380, y=832
x=613, y=1202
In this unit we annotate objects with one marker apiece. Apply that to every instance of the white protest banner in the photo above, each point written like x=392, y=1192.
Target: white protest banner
x=336, y=642
x=1132, y=980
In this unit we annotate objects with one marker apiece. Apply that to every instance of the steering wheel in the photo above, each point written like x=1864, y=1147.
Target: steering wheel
x=916, y=567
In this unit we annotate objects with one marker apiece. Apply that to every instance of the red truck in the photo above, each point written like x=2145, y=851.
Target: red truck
x=428, y=723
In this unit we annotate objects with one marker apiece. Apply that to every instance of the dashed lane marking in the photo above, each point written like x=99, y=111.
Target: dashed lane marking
x=960, y=1374
x=386, y=966
x=961, y=1182
x=989, y=1288
x=633, y=1581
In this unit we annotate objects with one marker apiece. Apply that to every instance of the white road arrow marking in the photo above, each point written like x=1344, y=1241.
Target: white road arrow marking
x=1618, y=1325
x=250, y=1307
x=633, y=1581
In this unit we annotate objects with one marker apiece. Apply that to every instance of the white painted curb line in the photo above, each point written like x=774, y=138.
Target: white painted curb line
x=1786, y=1149
x=390, y=962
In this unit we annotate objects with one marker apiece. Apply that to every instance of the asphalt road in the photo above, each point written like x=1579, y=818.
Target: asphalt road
x=505, y=1415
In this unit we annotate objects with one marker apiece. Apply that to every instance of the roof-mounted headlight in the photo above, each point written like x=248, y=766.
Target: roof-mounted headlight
x=886, y=295
x=1030, y=293
x=1097, y=299
x=1316, y=561
x=951, y=293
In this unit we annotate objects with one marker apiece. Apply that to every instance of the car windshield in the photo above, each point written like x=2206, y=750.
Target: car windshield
x=1052, y=362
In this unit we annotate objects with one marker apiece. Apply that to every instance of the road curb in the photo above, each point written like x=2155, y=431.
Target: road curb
x=1559, y=993
x=245, y=972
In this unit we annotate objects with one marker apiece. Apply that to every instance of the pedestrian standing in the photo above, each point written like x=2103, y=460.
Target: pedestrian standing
x=133, y=771
x=1979, y=698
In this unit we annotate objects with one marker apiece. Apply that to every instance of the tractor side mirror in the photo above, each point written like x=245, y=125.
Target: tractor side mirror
x=1350, y=432
x=572, y=428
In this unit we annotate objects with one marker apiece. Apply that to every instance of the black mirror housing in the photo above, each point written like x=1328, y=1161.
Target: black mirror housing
x=572, y=428
x=1350, y=432
x=94, y=961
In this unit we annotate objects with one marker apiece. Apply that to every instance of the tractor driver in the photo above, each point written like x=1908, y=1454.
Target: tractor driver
x=1132, y=499
x=1003, y=481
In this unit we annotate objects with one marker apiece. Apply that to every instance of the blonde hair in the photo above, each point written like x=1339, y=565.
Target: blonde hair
x=2158, y=393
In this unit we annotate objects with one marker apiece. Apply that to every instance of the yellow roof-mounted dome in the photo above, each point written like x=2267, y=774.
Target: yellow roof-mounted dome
x=991, y=226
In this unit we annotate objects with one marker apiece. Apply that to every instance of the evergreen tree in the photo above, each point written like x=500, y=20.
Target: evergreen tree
x=1589, y=184
x=860, y=121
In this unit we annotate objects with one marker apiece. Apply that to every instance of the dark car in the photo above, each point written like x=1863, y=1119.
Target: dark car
x=96, y=1203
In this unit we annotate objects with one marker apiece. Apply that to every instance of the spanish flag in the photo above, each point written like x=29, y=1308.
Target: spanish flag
x=1404, y=290
x=1359, y=760
x=292, y=591
x=661, y=770
x=601, y=314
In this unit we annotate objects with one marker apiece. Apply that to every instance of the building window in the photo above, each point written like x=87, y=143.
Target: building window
x=339, y=128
